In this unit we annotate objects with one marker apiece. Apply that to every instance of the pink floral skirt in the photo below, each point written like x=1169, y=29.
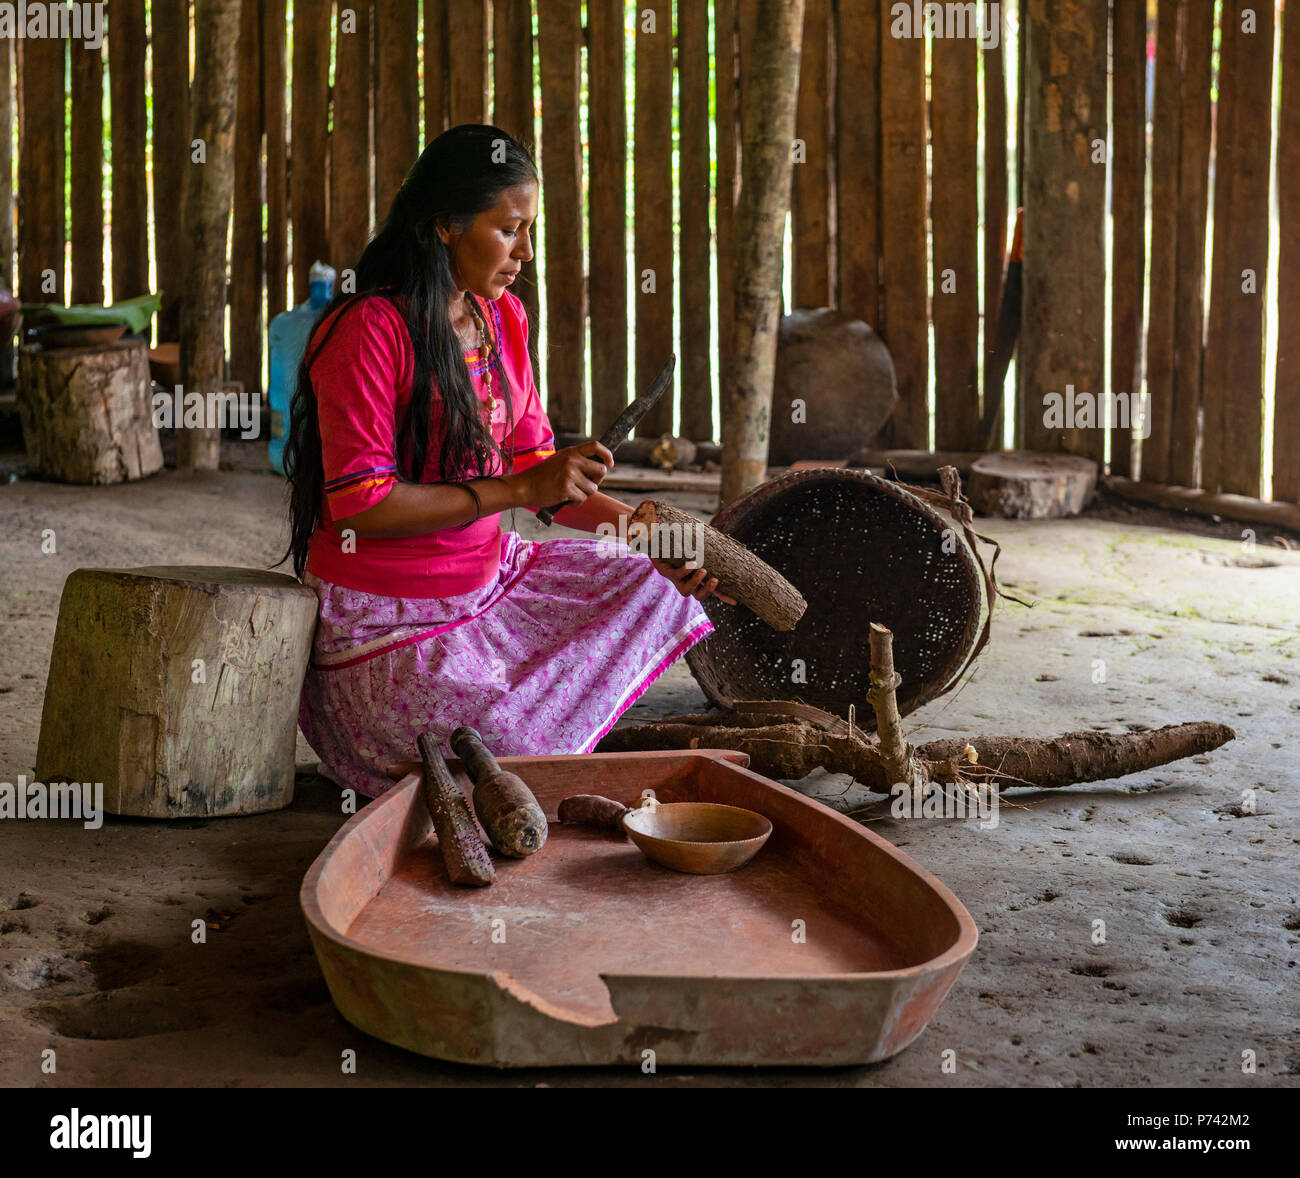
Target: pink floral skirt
x=542, y=660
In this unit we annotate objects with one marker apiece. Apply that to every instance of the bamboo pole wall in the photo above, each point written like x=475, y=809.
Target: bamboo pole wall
x=912, y=154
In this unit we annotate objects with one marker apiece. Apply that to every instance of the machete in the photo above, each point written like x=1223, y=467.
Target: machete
x=627, y=421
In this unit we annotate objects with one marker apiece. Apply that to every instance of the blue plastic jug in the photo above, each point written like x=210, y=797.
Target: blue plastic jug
x=289, y=333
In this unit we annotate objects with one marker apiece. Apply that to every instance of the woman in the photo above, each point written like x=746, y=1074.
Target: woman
x=414, y=424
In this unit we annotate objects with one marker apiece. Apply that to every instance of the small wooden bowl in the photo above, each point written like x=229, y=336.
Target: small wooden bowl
x=76, y=335
x=702, y=838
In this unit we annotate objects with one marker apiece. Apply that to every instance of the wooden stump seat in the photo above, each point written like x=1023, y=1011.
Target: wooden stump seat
x=87, y=413
x=177, y=687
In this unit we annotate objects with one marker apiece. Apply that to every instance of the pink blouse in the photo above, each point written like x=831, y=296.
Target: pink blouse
x=362, y=382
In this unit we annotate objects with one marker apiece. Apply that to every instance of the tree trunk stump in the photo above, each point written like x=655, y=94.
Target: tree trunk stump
x=86, y=413
x=1021, y=485
x=178, y=688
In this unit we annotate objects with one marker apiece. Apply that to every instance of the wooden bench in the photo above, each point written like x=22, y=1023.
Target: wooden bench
x=178, y=688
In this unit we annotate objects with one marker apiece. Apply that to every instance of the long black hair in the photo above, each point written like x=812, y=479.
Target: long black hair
x=459, y=175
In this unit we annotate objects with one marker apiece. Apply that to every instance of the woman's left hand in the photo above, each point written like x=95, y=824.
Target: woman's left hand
x=691, y=582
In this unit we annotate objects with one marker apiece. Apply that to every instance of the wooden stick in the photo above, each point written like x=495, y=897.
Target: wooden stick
x=461, y=844
x=741, y=574
x=1238, y=507
x=900, y=760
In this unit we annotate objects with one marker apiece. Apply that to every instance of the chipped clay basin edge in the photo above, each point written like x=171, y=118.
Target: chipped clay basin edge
x=488, y=1018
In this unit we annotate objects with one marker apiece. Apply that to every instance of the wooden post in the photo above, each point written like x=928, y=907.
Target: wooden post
x=512, y=64
x=559, y=31
x=397, y=131
x=1061, y=339
x=726, y=57
x=857, y=159
x=351, y=152
x=653, y=206
x=768, y=128
x=246, y=269
x=696, y=270
x=8, y=118
x=810, y=192
x=129, y=231
x=309, y=181
x=995, y=199
x=607, y=277
x=207, y=218
x=277, y=183
x=955, y=296
x=1242, y=424
x=86, y=183
x=1189, y=284
x=1128, y=252
x=1286, y=405
x=1165, y=133
x=437, y=66
x=467, y=74
x=904, y=318
x=170, y=32
x=40, y=171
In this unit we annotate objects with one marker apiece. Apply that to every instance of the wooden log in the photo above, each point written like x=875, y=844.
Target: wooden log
x=1062, y=337
x=904, y=318
x=86, y=413
x=559, y=31
x=769, y=114
x=40, y=170
x=308, y=173
x=1156, y=455
x=901, y=762
x=1286, y=403
x=653, y=205
x=351, y=154
x=1128, y=250
x=1189, y=283
x=1238, y=507
x=8, y=118
x=467, y=76
x=1020, y=485
x=246, y=269
x=277, y=183
x=741, y=574
x=86, y=181
x=207, y=216
x=857, y=159
x=397, y=123
x=169, y=29
x=696, y=239
x=463, y=853
x=916, y=464
x=954, y=299
x=129, y=231
x=177, y=687
x=1241, y=453
x=810, y=284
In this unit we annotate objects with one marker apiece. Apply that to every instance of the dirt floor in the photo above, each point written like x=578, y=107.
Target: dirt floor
x=1199, y=894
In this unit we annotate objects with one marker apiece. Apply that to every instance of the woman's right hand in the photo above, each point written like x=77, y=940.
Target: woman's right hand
x=568, y=476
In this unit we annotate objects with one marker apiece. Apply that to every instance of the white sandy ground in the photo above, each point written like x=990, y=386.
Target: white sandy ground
x=1198, y=895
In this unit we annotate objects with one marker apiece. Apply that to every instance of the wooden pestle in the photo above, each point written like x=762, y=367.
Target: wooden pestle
x=504, y=804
